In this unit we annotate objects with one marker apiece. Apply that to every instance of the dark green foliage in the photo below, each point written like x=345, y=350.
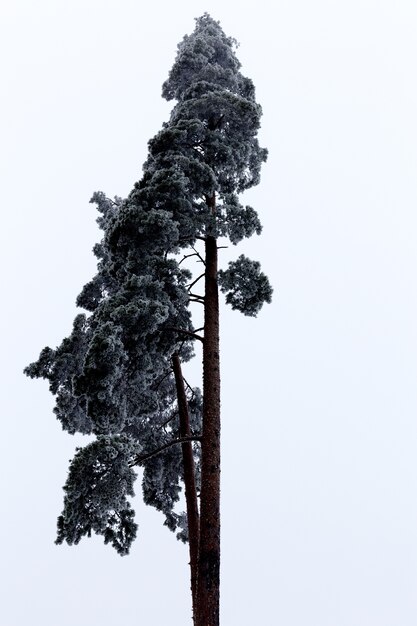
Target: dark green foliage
x=60, y=367
x=112, y=376
x=236, y=221
x=245, y=286
x=99, y=481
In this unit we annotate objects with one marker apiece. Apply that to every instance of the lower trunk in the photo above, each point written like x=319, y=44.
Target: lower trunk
x=208, y=582
x=189, y=477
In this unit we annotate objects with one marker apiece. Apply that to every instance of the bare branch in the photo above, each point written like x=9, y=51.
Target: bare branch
x=195, y=281
x=173, y=416
x=187, y=256
x=195, y=295
x=163, y=378
x=199, y=255
x=189, y=387
x=185, y=332
x=141, y=458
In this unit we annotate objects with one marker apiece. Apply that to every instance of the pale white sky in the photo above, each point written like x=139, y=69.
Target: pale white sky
x=319, y=393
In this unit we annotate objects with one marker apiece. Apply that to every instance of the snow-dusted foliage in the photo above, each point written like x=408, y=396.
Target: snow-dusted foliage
x=61, y=367
x=245, y=286
x=112, y=377
x=99, y=480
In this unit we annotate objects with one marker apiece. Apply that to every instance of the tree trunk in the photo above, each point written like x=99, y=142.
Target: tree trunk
x=189, y=478
x=208, y=583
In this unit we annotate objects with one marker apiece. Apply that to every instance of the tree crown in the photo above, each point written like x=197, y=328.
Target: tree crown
x=113, y=375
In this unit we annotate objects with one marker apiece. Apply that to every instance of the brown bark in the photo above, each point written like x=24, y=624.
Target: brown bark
x=208, y=583
x=189, y=477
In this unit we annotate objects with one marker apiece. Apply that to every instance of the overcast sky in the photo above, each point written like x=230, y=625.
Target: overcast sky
x=319, y=393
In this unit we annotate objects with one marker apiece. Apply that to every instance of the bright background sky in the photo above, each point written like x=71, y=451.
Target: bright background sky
x=319, y=393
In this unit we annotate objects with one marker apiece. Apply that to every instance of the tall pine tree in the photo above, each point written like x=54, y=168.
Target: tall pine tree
x=119, y=374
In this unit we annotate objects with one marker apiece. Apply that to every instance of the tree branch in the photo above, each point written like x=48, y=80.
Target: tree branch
x=195, y=281
x=187, y=256
x=185, y=332
x=195, y=295
x=199, y=255
x=173, y=416
x=141, y=458
x=189, y=387
x=198, y=300
x=163, y=378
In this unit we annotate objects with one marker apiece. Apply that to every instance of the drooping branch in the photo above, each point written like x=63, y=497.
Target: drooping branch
x=141, y=458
